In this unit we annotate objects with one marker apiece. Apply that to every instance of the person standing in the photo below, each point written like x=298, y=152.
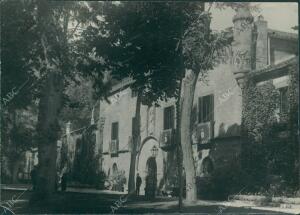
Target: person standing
x=57, y=179
x=138, y=182
x=34, y=175
x=64, y=182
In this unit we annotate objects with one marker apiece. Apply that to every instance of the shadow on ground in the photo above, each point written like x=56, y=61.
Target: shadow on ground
x=71, y=202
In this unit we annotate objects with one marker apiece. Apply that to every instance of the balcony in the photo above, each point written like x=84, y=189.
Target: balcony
x=167, y=140
x=114, y=147
x=204, y=134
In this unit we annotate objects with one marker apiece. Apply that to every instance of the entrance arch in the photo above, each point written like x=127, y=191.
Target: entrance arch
x=151, y=178
x=114, y=169
x=146, y=160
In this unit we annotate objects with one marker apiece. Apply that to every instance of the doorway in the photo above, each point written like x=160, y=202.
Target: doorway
x=151, y=178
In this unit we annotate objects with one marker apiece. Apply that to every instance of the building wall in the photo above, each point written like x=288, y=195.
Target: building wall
x=224, y=82
x=227, y=114
x=221, y=82
x=122, y=110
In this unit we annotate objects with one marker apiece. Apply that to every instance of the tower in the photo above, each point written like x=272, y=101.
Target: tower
x=242, y=44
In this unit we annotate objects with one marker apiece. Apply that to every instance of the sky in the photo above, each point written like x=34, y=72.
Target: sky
x=279, y=15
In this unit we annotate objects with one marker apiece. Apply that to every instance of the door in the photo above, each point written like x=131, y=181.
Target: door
x=151, y=178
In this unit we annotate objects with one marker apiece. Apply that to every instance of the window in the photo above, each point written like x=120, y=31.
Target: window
x=206, y=109
x=115, y=131
x=114, y=144
x=283, y=99
x=169, y=117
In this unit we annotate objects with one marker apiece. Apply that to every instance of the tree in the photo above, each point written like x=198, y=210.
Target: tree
x=38, y=36
x=55, y=37
x=17, y=98
x=79, y=103
x=17, y=38
x=156, y=44
x=140, y=40
x=201, y=49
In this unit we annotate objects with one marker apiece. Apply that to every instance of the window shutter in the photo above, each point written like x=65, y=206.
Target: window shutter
x=200, y=110
x=172, y=117
x=169, y=117
x=114, y=130
x=211, y=108
x=165, y=118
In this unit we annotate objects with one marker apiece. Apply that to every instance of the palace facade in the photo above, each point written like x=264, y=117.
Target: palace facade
x=258, y=53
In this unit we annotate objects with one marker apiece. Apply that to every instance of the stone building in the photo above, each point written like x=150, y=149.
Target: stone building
x=257, y=52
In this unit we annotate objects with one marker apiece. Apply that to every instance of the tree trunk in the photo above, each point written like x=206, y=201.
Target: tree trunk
x=50, y=104
x=15, y=168
x=179, y=153
x=135, y=143
x=14, y=160
x=48, y=130
x=187, y=98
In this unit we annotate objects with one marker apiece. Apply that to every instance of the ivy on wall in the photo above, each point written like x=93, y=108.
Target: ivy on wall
x=271, y=156
x=260, y=104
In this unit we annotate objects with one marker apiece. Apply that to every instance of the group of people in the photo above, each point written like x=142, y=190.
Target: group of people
x=63, y=179
x=150, y=186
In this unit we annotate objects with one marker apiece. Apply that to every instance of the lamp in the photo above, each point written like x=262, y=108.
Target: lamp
x=154, y=151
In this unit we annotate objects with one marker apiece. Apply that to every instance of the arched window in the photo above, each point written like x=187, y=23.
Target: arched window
x=207, y=166
x=114, y=169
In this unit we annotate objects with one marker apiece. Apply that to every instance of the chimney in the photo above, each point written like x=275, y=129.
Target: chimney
x=261, y=42
x=242, y=44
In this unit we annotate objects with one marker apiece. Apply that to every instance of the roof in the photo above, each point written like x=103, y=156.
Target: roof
x=273, y=71
x=282, y=35
x=258, y=74
x=120, y=85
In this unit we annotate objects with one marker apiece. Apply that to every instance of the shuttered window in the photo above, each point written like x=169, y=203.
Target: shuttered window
x=115, y=131
x=206, y=108
x=169, y=117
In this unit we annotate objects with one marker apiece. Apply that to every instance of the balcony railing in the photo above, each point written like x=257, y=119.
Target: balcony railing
x=167, y=140
x=204, y=132
x=114, y=147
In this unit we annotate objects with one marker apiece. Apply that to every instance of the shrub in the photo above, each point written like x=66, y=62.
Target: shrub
x=224, y=181
x=100, y=180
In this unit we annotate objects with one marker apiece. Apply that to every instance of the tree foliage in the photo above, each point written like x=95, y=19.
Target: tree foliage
x=79, y=103
x=137, y=40
x=17, y=37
